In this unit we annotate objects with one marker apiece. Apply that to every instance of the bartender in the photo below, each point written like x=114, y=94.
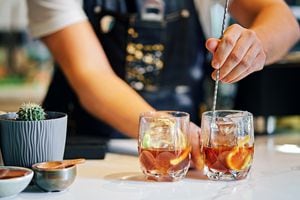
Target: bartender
x=118, y=58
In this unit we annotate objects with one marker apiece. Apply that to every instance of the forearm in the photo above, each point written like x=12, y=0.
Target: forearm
x=110, y=99
x=271, y=22
x=282, y=27
x=100, y=91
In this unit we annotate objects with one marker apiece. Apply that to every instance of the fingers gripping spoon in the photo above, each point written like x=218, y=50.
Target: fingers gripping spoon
x=214, y=126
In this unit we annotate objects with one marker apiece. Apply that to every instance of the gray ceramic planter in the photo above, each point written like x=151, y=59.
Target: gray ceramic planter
x=24, y=143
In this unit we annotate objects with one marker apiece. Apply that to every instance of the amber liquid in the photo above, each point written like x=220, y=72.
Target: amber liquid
x=225, y=158
x=12, y=173
x=164, y=161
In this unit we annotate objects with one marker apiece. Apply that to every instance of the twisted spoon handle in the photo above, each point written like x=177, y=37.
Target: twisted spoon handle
x=218, y=70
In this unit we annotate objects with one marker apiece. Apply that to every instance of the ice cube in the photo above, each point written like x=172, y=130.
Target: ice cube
x=224, y=134
x=162, y=132
x=227, y=127
x=241, y=123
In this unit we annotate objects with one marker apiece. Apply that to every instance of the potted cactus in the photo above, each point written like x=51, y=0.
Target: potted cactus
x=32, y=135
x=31, y=112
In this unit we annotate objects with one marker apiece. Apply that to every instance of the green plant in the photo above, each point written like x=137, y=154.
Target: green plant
x=31, y=112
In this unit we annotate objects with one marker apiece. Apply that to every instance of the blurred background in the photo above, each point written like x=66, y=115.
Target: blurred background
x=271, y=95
x=25, y=64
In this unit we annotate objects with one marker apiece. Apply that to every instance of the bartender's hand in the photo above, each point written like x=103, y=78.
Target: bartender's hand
x=197, y=156
x=237, y=54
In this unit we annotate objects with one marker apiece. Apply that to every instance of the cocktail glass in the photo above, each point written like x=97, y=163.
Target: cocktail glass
x=164, y=145
x=227, y=142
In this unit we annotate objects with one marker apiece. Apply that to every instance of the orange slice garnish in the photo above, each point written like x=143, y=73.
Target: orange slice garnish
x=238, y=158
x=183, y=156
x=245, y=140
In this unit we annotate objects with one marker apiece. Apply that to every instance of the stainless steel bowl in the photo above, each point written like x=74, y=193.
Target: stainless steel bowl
x=54, y=180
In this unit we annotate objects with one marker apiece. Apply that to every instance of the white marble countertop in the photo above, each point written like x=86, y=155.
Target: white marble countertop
x=275, y=175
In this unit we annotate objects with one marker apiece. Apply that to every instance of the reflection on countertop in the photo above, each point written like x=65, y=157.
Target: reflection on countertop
x=274, y=175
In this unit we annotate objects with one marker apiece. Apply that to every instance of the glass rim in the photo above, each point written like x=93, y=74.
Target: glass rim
x=244, y=113
x=172, y=114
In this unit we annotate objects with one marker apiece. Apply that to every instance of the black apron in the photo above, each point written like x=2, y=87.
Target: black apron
x=163, y=60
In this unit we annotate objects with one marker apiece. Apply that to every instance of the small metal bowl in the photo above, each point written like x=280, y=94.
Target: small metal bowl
x=54, y=180
x=14, y=180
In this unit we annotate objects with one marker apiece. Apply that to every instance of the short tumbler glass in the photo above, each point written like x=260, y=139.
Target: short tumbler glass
x=227, y=142
x=164, y=145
